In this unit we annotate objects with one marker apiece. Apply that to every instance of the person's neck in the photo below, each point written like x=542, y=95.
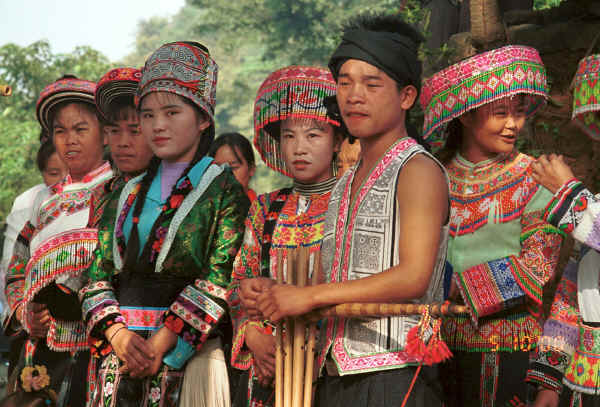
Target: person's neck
x=372, y=148
x=474, y=154
x=79, y=176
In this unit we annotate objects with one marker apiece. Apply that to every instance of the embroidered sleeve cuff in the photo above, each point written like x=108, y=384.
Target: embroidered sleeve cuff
x=193, y=315
x=547, y=367
x=559, y=205
x=99, y=345
x=99, y=304
x=489, y=288
x=241, y=356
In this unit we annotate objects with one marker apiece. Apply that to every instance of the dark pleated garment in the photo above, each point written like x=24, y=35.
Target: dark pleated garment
x=383, y=389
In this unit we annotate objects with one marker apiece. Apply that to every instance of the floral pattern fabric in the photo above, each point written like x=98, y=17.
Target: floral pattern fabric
x=202, y=250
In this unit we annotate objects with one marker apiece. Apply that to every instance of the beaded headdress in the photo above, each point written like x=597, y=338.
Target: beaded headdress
x=183, y=68
x=68, y=89
x=586, y=96
x=114, y=84
x=479, y=80
x=294, y=91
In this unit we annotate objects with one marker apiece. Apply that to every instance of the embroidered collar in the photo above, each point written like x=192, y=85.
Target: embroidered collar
x=89, y=177
x=485, y=176
x=159, y=230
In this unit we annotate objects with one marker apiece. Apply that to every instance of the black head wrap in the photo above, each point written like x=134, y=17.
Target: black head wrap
x=393, y=53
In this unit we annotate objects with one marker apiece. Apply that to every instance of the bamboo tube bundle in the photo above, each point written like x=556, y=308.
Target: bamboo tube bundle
x=294, y=349
x=295, y=342
x=5, y=90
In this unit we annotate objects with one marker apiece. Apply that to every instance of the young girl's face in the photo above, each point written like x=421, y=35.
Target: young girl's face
x=129, y=150
x=241, y=170
x=493, y=128
x=307, y=147
x=55, y=170
x=172, y=127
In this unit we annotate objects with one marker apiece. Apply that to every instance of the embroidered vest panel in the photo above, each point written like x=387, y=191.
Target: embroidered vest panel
x=366, y=244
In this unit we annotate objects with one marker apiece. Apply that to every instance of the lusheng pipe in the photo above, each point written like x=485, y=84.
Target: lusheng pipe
x=5, y=90
x=378, y=310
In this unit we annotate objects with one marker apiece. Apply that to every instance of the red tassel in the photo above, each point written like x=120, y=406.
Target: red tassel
x=414, y=343
x=435, y=351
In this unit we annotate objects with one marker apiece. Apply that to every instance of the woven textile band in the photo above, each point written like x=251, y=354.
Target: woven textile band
x=586, y=96
x=185, y=69
x=63, y=90
x=294, y=91
x=114, y=84
x=479, y=80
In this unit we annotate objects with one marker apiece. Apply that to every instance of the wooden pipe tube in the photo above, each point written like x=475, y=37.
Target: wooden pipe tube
x=299, y=332
x=379, y=310
x=5, y=90
x=310, y=346
x=279, y=342
x=287, y=337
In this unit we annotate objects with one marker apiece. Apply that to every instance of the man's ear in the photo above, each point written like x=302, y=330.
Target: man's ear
x=409, y=96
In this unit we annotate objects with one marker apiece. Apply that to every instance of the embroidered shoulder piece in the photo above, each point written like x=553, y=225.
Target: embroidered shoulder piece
x=498, y=192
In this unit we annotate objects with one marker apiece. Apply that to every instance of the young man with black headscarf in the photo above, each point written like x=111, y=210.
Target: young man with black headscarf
x=385, y=232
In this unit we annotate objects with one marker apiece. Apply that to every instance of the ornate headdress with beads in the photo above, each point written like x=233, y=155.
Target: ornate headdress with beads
x=294, y=91
x=476, y=81
x=586, y=96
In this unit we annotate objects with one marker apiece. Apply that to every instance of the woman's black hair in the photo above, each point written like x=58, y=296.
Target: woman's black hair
x=133, y=245
x=454, y=131
x=43, y=155
x=236, y=142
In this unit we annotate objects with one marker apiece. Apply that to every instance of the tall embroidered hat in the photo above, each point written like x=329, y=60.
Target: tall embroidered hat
x=294, y=91
x=586, y=96
x=66, y=89
x=184, y=68
x=116, y=83
x=479, y=80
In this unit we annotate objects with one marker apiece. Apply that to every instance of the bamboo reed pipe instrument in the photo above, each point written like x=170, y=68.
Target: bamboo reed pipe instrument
x=5, y=90
x=295, y=341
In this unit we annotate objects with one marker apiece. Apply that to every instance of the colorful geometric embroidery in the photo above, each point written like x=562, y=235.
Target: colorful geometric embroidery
x=516, y=332
x=66, y=336
x=583, y=374
x=494, y=191
x=490, y=287
x=290, y=231
x=479, y=80
x=547, y=367
x=66, y=254
x=586, y=96
x=143, y=318
x=488, y=386
x=294, y=91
